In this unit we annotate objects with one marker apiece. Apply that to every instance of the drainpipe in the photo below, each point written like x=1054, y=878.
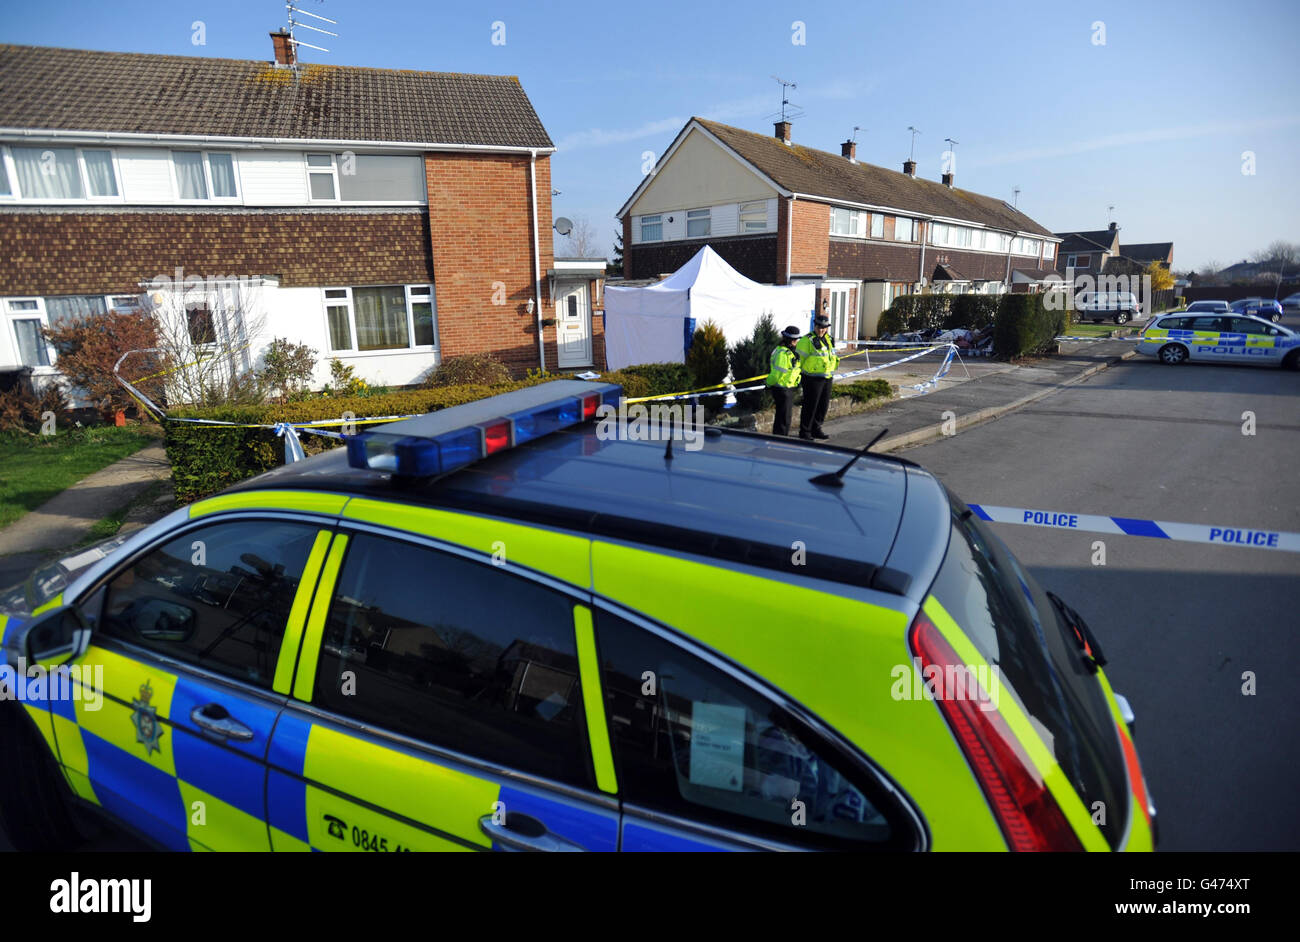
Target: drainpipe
x=789, y=240
x=537, y=257
x=925, y=234
x=1008, y=279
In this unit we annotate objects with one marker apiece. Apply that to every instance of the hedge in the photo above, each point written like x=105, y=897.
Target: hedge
x=1024, y=325
x=911, y=312
x=208, y=458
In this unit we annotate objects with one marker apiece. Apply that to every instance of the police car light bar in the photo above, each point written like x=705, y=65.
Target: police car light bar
x=452, y=438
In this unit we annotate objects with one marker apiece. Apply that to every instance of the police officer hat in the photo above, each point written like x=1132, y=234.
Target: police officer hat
x=792, y=333
x=822, y=321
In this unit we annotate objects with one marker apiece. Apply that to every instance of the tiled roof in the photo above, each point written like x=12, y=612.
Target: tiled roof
x=1038, y=274
x=1087, y=241
x=947, y=273
x=1147, y=251
x=830, y=176
x=73, y=89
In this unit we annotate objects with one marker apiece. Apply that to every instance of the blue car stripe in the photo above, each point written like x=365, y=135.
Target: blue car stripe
x=587, y=825
x=144, y=797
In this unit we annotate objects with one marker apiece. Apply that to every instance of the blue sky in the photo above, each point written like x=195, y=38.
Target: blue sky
x=1153, y=122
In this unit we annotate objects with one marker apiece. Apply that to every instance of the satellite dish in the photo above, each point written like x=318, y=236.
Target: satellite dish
x=563, y=225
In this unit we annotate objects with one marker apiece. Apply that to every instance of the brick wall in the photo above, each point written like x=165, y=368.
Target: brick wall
x=109, y=252
x=809, y=245
x=480, y=224
x=753, y=256
x=876, y=260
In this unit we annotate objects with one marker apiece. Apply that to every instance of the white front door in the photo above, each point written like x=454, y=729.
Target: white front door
x=839, y=313
x=573, y=326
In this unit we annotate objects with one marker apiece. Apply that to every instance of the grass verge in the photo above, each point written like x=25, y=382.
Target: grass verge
x=34, y=468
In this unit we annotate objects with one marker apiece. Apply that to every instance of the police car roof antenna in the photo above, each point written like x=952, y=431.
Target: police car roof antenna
x=836, y=478
x=668, y=449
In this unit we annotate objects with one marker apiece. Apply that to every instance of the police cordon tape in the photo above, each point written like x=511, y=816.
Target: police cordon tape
x=1130, y=526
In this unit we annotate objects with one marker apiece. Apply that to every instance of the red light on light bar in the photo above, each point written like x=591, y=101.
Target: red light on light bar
x=496, y=437
x=589, y=404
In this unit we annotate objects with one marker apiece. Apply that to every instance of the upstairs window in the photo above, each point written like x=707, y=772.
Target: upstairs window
x=699, y=223
x=202, y=176
x=753, y=217
x=320, y=177
x=100, y=179
x=48, y=173
x=903, y=228
x=381, y=178
x=652, y=228
x=1049, y=251
x=6, y=189
x=847, y=222
x=191, y=184
x=877, y=226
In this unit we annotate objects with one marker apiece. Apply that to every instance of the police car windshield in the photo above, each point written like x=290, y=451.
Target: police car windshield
x=1010, y=619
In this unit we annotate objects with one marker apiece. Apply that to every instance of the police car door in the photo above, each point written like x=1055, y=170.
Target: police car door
x=437, y=706
x=185, y=645
x=1206, y=344
x=1258, y=344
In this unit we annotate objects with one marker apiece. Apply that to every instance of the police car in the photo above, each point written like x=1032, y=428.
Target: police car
x=1220, y=338
x=516, y=625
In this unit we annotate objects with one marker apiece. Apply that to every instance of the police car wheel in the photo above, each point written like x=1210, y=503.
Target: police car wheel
x=1173, y=354
x=1292, y=361
x=35, y=809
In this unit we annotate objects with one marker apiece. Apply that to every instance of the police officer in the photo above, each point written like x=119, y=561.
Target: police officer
x=784, y=379
x=818, y=363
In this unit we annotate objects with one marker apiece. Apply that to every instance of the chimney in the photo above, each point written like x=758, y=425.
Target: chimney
x=947, y=180
x=849, y=149
x=783, y=131
x=1113, y=227
x=285, y=52
x=909, y=168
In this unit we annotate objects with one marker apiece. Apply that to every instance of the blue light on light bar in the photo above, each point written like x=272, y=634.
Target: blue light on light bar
x=534, y=423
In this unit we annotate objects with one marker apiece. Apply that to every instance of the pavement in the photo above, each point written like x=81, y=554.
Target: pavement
x=974, y=391
x=64, y=520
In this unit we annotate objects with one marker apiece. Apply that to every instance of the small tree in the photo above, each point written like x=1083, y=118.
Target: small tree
x=707, y=359
x=89, y=347
x=617, y=263
x=753, y=356
x=287, y=367
x=1162, y=279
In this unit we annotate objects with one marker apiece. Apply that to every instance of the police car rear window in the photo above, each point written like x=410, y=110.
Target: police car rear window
x=1006, y=614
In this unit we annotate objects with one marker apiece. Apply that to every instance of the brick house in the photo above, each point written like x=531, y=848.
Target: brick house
x=782, y=213
x=1101, y=253
x=388, y=218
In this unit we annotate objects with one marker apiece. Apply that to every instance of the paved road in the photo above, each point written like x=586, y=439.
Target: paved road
x=1180, y=622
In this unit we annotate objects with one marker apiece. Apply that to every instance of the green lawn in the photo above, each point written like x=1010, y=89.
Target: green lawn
x=1091, y=330
x=35, y=468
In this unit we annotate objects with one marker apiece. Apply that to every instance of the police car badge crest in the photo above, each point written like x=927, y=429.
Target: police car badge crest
x=145, y=718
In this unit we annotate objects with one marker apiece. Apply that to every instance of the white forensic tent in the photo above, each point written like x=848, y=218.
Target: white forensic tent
x=651, y=324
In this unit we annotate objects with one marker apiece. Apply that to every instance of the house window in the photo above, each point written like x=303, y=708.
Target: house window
x=1078, y=261
x=49, y=173
x=1049, y=251
x=73, y=308
x=221, y=170
x=847, y=222
x=753, y=217
x=698, y=223
x=376, y=178
x=386, y=317
x=903, y=229
x=100, y=179
x=32, y=350
x=126, y=303
x=321, y=177
x=190, y=181
x=877, y=226
x=652, y=228
x=203, y=331
x=6, y=189
x=201, y=175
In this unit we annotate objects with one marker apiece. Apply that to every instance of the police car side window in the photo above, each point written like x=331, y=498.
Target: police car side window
x=1244, y=325
x=692, y=741
x=1206, y=323
x=217, y=597
x=457, y=654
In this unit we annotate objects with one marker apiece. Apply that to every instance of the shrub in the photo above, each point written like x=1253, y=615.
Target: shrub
x=972, y=311
x=707, y=358
x=915, y=312
x=634, y=386
x=864, y=390
x=287, y=366
x=660, y=378
x=89, y=347
x=752, y=357
x=20, y=410
x=208, y=458
x=1025, y=325
x=472, y=369
x=345, y=382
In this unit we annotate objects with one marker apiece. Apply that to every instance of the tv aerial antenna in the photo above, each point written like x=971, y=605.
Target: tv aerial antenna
x=788, y=110
x=912, y=153
x=1015, y=197
x=294, y=24
x=856, y=129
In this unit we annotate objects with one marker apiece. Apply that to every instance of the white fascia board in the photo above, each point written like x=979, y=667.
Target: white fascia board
x=915, y=214
x=681, y=136
x=18, y=135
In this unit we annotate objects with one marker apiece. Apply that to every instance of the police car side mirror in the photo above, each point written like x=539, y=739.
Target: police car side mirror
x=57, y=635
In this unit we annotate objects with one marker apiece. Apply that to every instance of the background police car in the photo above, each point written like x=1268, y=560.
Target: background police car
x=1220, y=338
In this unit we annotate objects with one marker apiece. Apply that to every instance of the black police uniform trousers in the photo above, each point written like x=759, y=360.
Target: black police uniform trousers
x=816, y=398
x=783, y=398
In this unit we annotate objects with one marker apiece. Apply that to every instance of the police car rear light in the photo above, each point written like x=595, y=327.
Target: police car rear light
x=454, y=437
x=1025, y=809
